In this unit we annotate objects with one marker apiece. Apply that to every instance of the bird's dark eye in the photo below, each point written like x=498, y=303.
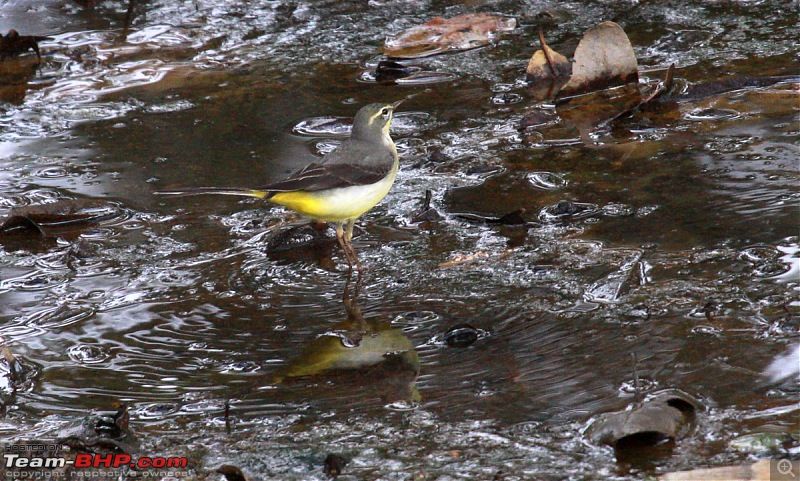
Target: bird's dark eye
x=385, y=111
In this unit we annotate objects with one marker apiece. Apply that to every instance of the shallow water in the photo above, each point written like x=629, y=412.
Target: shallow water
x=685, y=252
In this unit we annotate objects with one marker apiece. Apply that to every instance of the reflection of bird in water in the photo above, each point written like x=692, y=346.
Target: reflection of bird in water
x=345, y=184
x=13, y=44
x=373, y=354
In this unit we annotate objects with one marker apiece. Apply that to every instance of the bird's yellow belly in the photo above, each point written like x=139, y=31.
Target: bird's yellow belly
x=336, y=205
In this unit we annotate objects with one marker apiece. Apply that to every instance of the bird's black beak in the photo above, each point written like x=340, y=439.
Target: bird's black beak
x=394, y=105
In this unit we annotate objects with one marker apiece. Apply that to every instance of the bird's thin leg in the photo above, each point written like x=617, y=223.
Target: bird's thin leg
x=344, y=243
x=348, y=237
x=340, y=236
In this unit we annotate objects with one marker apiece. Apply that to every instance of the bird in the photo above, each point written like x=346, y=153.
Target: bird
x=342, y=186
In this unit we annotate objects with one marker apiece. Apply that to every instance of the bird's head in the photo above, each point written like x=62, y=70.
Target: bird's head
x=372, y=121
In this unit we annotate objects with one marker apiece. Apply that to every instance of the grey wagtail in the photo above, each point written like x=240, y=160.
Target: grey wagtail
x=341, y=186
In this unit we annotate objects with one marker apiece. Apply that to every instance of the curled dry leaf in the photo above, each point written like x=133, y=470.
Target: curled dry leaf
x=442, y=35
x=547, y=64
x=669, y=415
x=604, y=58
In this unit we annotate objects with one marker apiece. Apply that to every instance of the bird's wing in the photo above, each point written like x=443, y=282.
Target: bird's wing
x=337, y=169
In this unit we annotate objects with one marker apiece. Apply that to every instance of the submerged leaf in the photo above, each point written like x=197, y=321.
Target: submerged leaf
x=511, y=218
x=63, y=214
x=461, y=259
x=441, y=35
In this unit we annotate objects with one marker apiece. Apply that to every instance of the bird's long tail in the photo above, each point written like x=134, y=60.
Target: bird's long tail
x=258, y=194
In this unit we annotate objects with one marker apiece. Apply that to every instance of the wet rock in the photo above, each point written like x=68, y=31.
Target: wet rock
x=481, y=169
x=567, y=210
x=547, y=180
x=15, y=376
x=101, y=433
x=334, y=465
x=232, y=473
x=461, y=335
x=426, y=213
x=536, y=118
x=87, y=354
x=389, y=70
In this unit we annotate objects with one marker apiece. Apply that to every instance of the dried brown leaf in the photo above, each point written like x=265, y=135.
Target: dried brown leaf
x=547, y=64
x=62, y=214
x=460, y=259
x=442, y=35
x=604, y=58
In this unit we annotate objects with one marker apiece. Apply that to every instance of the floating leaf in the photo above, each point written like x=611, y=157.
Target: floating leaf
x=667, y=416
x=63, y=214
x=442, y=35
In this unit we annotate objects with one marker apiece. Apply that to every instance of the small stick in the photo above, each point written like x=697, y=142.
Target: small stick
x=546, y=53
